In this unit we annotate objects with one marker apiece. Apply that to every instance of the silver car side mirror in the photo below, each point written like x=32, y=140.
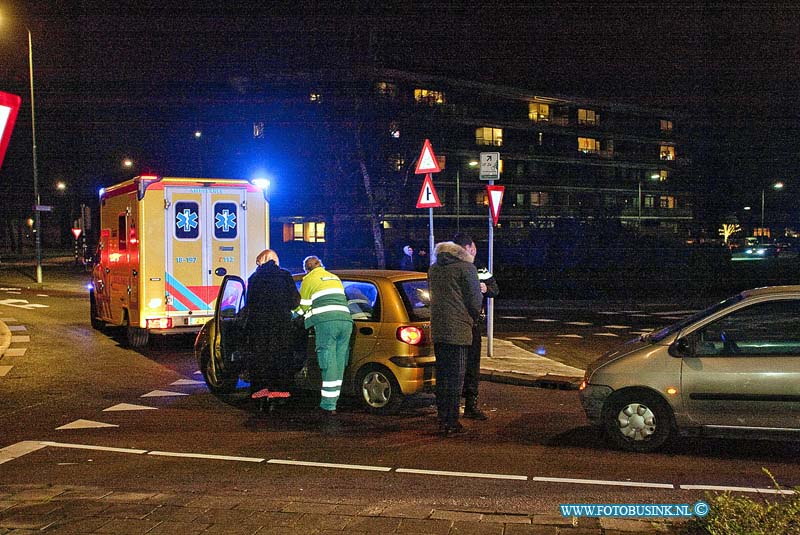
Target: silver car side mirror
x=680, y=348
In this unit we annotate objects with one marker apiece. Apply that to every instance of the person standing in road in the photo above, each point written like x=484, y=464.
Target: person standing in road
x=269, y=332
x=407, y=262
x=455, y=307
x=323, y=305
x=472, y=371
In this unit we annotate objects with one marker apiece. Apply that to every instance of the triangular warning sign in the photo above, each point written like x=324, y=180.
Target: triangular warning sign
x=427, y=195
x=427, y=163
x=495, y=200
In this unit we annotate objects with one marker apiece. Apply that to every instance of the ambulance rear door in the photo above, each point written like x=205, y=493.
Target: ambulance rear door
x=206, y=235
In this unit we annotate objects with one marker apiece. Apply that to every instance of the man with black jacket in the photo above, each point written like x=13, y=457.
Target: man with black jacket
x=472, y=370
x=455, y=307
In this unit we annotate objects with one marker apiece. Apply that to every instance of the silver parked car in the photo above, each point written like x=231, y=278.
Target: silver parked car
x=732, y=369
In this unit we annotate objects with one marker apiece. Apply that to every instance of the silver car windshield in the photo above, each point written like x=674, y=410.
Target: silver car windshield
x=657, y=336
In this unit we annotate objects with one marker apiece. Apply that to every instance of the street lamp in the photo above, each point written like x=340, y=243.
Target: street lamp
x=775, y=186
x=36, y=216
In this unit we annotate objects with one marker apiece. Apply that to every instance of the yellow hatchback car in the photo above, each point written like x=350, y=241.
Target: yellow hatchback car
x=391, y=353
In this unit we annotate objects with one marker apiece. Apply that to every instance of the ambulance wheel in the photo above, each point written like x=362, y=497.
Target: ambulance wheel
x=219, y=380
x=137, y=337
x=96, y=322
x=378, y=390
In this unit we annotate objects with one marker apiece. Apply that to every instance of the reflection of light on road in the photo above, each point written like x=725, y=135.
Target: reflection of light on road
x=569, y=336
x=606, y=334
x=578, y=323
x=541, y=351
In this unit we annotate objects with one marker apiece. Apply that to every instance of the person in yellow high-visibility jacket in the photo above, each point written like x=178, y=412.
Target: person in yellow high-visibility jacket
x=323, y=305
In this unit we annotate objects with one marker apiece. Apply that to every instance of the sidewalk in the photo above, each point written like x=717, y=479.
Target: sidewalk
x=29, y=509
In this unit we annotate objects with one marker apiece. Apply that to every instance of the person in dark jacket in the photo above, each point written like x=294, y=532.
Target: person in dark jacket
x=489, y=288
x=455, y=307
x=407, y=263
x=270, y=332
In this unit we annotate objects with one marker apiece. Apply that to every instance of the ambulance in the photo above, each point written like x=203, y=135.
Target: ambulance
x=165, y=245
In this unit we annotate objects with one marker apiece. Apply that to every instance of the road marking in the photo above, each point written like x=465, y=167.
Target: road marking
x=606, y=334
x=672, y=317
x=6, y=320
x=4, y=370
x=15, y=293
x=181, y=382
x=14, y=328
x=602, y=482
x=129, y=407
x=42, y=295
x=84, y=424
x=92, y=447
x=20, y=339
x=674, y=312
x=616, y=326
x=331, y=465
x=14, y=451
x=735, y=489
x=8, y=289
x=545, y=320
x=569, y=336
x=512, y=317
x=578, y=323
x=640, y=315
x=206, y=456
x=608, y=313
x=21, y=303
x=460, y=474
x=161, y=394
x=15, y=351
x=525, y=338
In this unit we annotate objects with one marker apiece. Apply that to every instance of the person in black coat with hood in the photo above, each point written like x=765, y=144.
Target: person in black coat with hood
x=270, y=333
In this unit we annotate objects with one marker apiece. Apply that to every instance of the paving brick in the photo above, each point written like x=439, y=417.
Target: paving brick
x=466, y=516
x=76, y=526
x=555, y=520
x=424, y=527
x=538, y=529
x=171, y=499
x=506, y=519
x=123, y=526
x=178, y=528
x=129, y=496
x=466, y=527
x=408, y=511
x=374, y=524
x=225, y=516
x=306, y=507
x=87, y=493
x=174, y=513
x=257, y=503
x=23, y=521
x=275, y=518
x=39, y=494
x=631, y=525
x=129, y=510
x=240, y=529
x=217, y=502
x=323, y=522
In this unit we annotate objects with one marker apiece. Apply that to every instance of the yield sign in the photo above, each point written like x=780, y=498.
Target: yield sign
x=76, y=232
x=426, y=163
x=495, y=200
x=9, y=106
x=427, y=195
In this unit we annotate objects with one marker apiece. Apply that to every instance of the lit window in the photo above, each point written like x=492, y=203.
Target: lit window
x=385, y=89
x=667, y=201
x=667, y=152
x=666, y=125
x=396, y=162
x=122, y=232
x=482, y=198
x=538, y=113
x=520, y=199
x=538, y=198
x=258, y=130
x=315, y=97
x=588, y=145
x=539, y=138
x=588, y=117
x=428, y=97
x=313, y=232
x=486, y=135
x=663, y=175
x=649, y=201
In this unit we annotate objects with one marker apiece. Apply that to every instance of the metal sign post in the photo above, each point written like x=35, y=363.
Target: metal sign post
x=490, y=170
x=428, y=198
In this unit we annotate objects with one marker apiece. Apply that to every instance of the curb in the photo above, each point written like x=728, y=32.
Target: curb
x=552, y=381
x=5, y=338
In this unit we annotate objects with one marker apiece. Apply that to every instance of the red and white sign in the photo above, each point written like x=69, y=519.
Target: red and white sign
x=495, y=200
x=76, y=232
x=427, y=162
x=9, y=106
x=427, y=195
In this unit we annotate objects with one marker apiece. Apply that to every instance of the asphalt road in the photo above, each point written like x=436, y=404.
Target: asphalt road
x=171, y=434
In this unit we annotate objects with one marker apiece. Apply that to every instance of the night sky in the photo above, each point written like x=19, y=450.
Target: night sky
x=734, y=71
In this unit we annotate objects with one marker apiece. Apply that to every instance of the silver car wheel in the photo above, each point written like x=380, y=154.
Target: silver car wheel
x=636, y=421
x=376, y=389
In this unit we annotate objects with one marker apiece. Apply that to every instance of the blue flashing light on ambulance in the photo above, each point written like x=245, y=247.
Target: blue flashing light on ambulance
x=165, y=245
